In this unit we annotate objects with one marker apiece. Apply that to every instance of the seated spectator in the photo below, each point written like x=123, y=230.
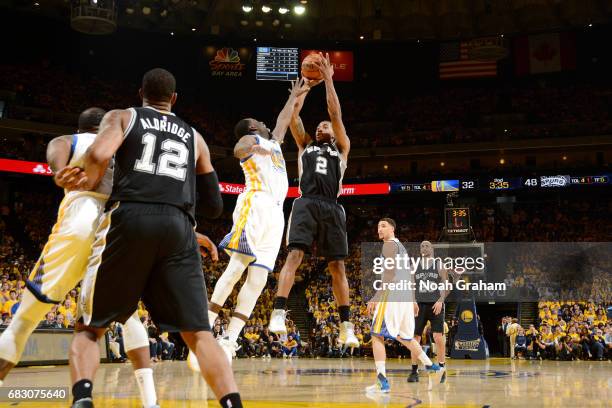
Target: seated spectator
x=49, y=322
x=290, y=347
x=520, y=347
x=167, y=347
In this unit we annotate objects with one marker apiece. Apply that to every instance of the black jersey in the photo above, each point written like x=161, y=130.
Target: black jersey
x=321, y=171
x=156, y=161
x=427, y=271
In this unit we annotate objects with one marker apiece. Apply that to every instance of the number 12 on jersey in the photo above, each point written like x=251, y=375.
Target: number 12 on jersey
x=172, y=162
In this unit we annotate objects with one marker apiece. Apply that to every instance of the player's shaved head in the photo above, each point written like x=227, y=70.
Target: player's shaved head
x=90, y=119
x=158, y=85
x=250, y=126
x=244, y=127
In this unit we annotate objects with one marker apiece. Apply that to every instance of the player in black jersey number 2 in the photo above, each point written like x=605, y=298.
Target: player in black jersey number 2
x=146, y=247
x=316, y=215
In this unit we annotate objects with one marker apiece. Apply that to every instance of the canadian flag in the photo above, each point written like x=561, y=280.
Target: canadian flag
x=536, y=54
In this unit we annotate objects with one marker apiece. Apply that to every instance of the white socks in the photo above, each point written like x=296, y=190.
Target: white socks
x=144, y=378
x=380, y=368
x=234, y=328
x=424, y=359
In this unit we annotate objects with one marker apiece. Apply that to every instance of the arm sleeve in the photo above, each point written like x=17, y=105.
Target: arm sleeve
x=210, y=203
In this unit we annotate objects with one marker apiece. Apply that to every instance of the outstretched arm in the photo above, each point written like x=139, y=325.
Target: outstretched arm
x=297, y=126
x=333, y=105
x=284, y=117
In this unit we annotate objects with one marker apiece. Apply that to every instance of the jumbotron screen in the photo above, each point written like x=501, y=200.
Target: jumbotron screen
x=274, y=63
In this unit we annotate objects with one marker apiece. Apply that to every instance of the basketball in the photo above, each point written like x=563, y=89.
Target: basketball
x=309, y=68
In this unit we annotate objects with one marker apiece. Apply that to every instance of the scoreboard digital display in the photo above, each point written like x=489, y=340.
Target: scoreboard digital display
x=274, y=63
x=457, y=220
x=504, y=183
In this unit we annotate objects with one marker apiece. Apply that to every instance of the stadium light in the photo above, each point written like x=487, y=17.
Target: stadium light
x=283, y=10
x=265, y=8
x=299, y=10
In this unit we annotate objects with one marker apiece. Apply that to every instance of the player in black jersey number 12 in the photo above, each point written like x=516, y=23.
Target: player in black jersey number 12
x=316, y=215
x=145, y=246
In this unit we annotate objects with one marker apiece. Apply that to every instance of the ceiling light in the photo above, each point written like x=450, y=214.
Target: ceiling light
x=361, y=37
x=276, y=22
x=299, y=10
x=247, y=8
x=259, y=23
x=265, y=8
x=502, y=161
x=283, y=10
x=130, y=10
x=146, y=10
x=244, y=23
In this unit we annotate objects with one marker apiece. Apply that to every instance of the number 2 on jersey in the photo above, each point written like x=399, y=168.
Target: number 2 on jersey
x=171, y=163
x=321, y=166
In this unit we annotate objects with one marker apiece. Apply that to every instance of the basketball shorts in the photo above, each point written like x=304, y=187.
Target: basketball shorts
x=426, y=314
x=145, y=251
x=258, y=229
x=63, y=260
x=394, y=319
x=319, y=221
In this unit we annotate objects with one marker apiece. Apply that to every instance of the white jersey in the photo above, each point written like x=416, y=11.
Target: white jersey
x=266, y=173
x=80, y=144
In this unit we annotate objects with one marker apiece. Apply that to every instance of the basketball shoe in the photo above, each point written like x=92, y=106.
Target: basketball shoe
x=277, y=322
x=347, y=335
x=381, y=386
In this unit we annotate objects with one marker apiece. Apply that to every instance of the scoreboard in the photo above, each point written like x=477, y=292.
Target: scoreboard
x=457, y=220
x=274, y=63
x=554, y=181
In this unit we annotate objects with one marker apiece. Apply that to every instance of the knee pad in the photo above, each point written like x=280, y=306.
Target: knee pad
x=134, y=334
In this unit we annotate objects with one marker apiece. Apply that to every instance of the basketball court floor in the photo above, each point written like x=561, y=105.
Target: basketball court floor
x=340, y=384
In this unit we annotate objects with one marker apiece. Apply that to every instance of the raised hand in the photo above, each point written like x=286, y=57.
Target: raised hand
x=325, y=66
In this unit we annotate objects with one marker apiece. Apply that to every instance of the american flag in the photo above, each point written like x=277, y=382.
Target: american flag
x=456, y=63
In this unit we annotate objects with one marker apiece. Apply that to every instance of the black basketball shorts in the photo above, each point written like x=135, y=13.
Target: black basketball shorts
x=426, y=314
x=321, y=221
x=145, y=251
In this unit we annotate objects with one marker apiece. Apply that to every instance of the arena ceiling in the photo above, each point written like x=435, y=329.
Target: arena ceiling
x=343, y=20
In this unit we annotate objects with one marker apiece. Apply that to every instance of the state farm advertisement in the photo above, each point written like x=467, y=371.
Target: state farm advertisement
x=42, y=169
x=342, y=60
x=27, y=167
x=348, y=189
